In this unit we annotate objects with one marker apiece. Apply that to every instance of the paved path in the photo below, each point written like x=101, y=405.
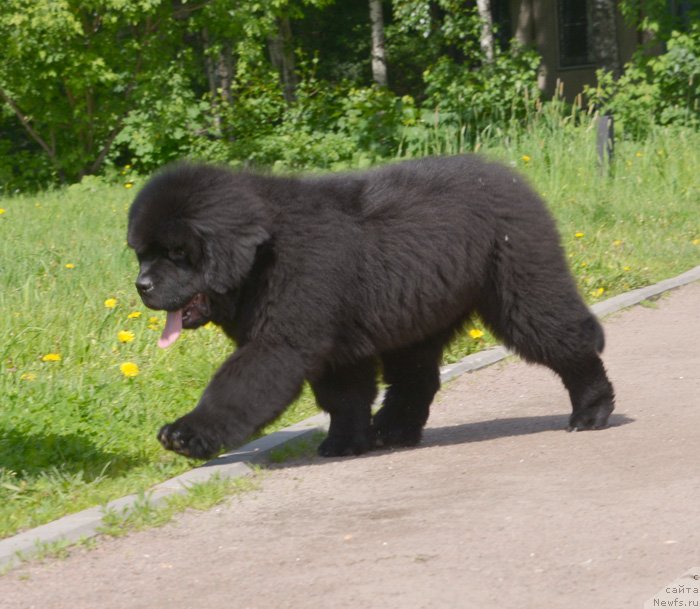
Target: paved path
x=498, y=508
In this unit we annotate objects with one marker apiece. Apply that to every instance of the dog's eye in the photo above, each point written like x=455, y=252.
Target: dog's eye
x=177, y=254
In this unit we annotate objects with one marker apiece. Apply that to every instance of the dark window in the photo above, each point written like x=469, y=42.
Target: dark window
x=574, y=42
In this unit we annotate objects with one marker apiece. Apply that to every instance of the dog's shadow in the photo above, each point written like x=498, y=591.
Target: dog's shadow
x=493, y=429
x=464, y=433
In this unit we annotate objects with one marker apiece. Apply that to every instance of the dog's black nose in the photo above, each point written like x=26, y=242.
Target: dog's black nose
x=144, y=285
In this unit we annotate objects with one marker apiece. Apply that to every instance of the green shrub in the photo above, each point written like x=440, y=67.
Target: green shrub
x=373, y=117
x=325, y=127
x=169, y=123
x=655, y=90
x=473, y=90
x=22, y=168
x=499, y=91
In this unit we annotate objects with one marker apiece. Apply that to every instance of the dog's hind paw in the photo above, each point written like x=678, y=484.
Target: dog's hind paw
x=343, y=446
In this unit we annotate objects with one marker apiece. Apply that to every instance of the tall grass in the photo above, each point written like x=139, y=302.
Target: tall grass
x=77, y=431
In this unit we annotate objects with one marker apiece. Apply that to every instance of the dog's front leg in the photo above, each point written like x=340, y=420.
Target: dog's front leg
x=250, y=389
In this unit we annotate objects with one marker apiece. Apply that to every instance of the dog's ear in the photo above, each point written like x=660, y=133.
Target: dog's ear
x=228, y=257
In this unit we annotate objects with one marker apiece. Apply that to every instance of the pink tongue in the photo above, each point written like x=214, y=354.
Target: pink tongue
x=173, y=327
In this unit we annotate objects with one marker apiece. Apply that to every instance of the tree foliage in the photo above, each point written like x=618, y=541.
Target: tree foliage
x=86, y=85
x=71, y=71
x=659, y=89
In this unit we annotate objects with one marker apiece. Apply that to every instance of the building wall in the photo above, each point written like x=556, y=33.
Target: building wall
x=536, y=23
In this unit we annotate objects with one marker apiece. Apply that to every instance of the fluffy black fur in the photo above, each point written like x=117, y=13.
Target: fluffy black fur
x=325, y=278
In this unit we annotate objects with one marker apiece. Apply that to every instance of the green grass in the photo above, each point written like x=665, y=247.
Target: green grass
x=144, y=513
x=295, y=450
x=201, y=496
x=50, y=550
x=77, y=432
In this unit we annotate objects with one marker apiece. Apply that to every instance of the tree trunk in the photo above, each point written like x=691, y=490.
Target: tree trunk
x=603, y=36
x=209, y=63
x=219, y=69
x=378, y=50
x=213, y=85
x=525, y=27
x=225, y=72
x=282, y=57
x=486, y=39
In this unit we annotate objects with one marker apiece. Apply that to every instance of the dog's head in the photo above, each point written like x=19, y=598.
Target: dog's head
x=195, y=230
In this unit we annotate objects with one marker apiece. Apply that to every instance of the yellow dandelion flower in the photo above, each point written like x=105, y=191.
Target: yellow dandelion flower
x=28, y=376
x=51, y=357
x=127, y=167
x=2, y=211
x=110, y=303
x=639, y=155
x=129, y=369
x=617, y=243
x=70, y=265
x=695, y=241
x=584, y=264
x=579, y=234
x=129, y=185
x=598, y=292
x=153, y=327
x=525, y=159
x=626, y=268
x=475, y=333
x=153, y=320
x=125, y=336
x=134, y=315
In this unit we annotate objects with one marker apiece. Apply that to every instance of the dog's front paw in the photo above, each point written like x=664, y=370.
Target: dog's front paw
x=186, y=439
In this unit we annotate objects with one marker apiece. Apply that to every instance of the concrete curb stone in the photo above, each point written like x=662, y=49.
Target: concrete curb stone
x=87, y=523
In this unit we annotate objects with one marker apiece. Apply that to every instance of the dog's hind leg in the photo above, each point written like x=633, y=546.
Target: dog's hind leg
x=591, y=393
x=413, y=377
x=546, y=322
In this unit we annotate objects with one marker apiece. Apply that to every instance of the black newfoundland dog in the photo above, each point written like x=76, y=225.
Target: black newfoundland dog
x=328, y=278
